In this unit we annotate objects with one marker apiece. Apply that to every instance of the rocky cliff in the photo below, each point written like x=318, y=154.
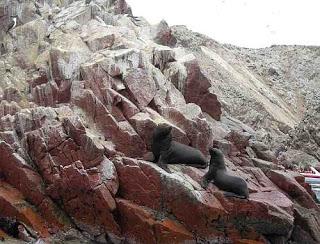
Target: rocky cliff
x=82, y=87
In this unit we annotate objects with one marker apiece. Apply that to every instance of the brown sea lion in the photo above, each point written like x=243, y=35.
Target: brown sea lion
x=232, y=185
x=166, y=151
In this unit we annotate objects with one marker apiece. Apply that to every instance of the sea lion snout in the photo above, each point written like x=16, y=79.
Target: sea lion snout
x=217, y=158
x=214, y=151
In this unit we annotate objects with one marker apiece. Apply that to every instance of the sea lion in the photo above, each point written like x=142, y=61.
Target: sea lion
x=166, y=151
x=232, y=185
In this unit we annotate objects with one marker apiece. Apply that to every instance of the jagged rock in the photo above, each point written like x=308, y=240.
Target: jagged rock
x=296, y=159
x=234, y=124
x=83, y=86
x=224, y=145
x=10, y=108
x=28, y=182
x=12, y=201
x=147, y=228
x=26, y=41
x=145, y=123
x=262, y=151
x=287, y=182
x=301, y=236
x=86, y=200
x=163, y=35
x=121, y=7
x=121, y=102
x=192, y=121
x=239, y=139
x=120, y=133
x=75, y=11
x=109, y=176
x=159, y=196
x=306, y=136
x=73, y=172
x=38, y=78
x=117, y=62
x=167, y=94
x=161, y=56
x=100, y=39
x=11, y=94
x=45, y=94
x=66, y=57
x=140, y=86
x=265, y=165
x=307, y=223
x=301, y=180
x=188, y=77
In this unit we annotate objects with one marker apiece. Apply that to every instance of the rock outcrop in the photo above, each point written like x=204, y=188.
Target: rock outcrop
x=82, y=86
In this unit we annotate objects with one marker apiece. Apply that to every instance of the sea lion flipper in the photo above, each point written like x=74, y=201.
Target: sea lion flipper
x=155, y=158
x=163, y=165
x=206, y=179
x=204, y=183
x=231, y=194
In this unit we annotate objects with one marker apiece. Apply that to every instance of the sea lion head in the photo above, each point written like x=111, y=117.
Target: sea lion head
x=216, y=159
x=162, y=132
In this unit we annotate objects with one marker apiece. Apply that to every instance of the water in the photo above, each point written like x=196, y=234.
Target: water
x=315, y=185
x=315, y=181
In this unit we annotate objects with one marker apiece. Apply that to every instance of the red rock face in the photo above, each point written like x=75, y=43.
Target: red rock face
x=20, y=175
x=12, y=203
x=120, y=133
x=74, y=178
x=196, y=90
x=195, y=86
x=164, y=35
x=287, y=182
x=141, y=86
x=140, y=225
x=170, y=194
x=191, y=119
x=8, y=108
x=75, y=129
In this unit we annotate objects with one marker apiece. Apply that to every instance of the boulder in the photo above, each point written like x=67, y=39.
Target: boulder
x=10, y=108
x=266, y=165
x=140, y=224
x=161, y=56
x=155, y=189
x=121, y=133
x=66, y=57
x=140, y=85
x=12, y=94
x=191, y=120
x=262, y=151
x=163, y=35
x=307, y=224
x=190, y=79
x=145, y=123
x=87, y=200
x=286, y=182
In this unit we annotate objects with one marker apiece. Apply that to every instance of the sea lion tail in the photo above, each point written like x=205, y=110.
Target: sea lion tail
x=231, y=194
